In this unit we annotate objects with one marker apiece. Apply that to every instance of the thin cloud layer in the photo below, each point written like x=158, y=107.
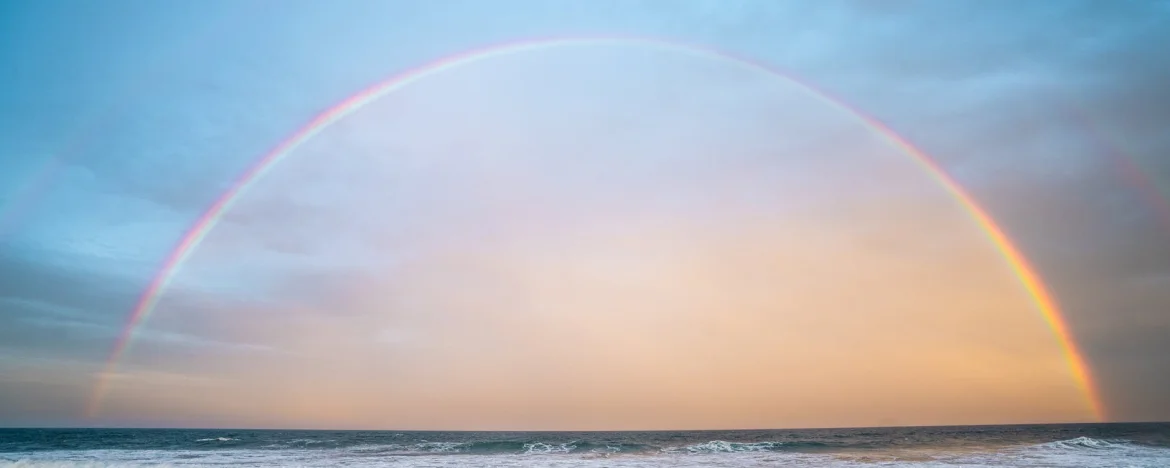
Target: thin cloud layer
x=432, y=199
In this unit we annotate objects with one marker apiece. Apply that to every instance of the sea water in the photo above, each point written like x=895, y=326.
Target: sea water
x=1074, y=445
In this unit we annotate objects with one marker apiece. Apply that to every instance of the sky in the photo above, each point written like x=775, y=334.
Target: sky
x=594, y=236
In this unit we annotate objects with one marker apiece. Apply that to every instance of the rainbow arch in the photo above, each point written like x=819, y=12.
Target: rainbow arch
x=1125, y=164
x=1019, y=265
x=26, y=197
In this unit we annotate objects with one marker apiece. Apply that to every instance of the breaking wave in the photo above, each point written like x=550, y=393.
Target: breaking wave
x=1082, y=443
x=720, y=446
x=504, y=447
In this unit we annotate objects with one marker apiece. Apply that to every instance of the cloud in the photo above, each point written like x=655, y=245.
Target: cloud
x=300, y=263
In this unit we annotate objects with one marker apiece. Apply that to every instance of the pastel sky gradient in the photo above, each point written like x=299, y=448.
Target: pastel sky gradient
x=592, y=237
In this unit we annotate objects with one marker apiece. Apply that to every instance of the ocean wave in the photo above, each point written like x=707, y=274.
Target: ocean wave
x=217, y=439
x=500, y=447
x=711, y=454
x=722, y=446
x=302, y=444
x=116, y=449
x=541, y=447
x=311, y=441
x=1088, y=443
x=410, y=449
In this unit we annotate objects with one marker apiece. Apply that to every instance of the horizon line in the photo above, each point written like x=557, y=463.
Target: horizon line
x=807, y=428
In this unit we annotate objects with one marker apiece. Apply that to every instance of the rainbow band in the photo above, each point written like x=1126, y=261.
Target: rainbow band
x=1127, y=166
x=27, y=196
x=1030, y=281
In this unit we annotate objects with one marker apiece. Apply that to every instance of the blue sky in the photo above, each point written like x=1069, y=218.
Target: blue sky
x=121, y=121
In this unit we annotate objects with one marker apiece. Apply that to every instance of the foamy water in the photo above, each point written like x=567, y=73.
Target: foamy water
x=1040, y=446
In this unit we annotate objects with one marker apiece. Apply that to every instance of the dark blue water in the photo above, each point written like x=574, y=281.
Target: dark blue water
x=1033, y=445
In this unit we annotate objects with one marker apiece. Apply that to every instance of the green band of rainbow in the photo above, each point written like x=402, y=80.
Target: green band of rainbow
x=1030, y=281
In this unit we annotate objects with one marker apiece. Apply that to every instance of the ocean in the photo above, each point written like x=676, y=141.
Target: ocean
x=1065, y=445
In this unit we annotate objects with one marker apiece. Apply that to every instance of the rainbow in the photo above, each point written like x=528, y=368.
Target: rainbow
x=1126, y=167
x=25, y=198
x=1038, y=293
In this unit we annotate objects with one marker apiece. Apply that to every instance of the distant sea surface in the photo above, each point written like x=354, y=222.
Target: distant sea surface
x=1072, y=445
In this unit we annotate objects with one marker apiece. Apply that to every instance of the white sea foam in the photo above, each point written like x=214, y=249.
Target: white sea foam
x=390, y=449
x=719, y=446
x=437, y=446
x=310, y=441
x=543, y=448
x=1087, y=443
x=1079, y=452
